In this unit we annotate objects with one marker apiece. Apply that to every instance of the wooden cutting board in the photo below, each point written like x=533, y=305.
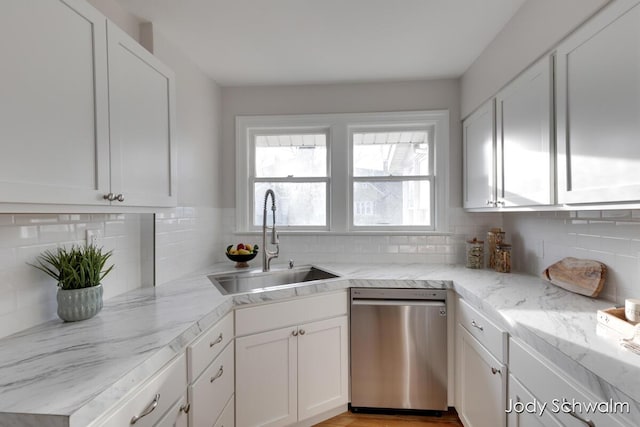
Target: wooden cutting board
x=582, y=276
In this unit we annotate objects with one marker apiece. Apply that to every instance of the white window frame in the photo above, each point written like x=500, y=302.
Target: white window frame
x=339, y=128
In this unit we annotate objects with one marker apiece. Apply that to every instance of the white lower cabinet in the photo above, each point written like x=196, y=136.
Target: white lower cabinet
x=227, y=418
x=482, y=384
x=481, y=370
x=211, y=373
x=212, y=390
x=293, y=373
x=566, y=403
x=523, y=410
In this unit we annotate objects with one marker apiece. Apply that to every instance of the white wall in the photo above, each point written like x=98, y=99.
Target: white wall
x=535, y=28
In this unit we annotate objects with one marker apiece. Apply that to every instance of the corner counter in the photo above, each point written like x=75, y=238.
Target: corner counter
x=66, y=374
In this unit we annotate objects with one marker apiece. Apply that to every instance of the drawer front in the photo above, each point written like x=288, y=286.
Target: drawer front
x=482, y=329
x=208, y=346
x=177, y=416
x=277, y=315
x=211, y=392
x=550, y=385
x=227, y=418
x=155, y=398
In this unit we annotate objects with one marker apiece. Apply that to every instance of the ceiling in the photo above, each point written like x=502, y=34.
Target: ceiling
x=267, y=42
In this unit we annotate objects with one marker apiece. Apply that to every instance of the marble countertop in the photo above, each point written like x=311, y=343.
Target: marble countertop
x=68, y=373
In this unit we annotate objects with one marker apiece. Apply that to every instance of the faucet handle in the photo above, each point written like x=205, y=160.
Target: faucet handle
x=274, y=236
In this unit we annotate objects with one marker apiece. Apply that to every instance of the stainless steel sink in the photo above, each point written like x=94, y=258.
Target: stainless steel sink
x=257, y=280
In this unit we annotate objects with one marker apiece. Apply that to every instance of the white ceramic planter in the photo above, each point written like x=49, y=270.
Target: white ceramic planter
x=79, y=304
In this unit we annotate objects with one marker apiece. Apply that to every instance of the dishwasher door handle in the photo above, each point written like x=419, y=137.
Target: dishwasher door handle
x=422, y=303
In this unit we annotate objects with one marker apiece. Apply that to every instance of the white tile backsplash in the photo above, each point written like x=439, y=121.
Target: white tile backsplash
x=187, y=238
x=27, y=295
x=611, y=237
x=446, y=248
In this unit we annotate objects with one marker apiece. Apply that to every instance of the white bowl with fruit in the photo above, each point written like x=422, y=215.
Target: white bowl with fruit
x=241, y=253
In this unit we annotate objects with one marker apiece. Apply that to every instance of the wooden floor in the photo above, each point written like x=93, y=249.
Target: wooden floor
x=448, y=419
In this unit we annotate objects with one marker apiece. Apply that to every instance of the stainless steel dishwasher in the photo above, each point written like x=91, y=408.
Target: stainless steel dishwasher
x=398, y=349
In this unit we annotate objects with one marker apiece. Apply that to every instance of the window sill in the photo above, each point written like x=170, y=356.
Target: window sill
x=283, y=232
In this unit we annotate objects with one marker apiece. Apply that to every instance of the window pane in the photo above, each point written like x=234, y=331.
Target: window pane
x=398, y=153
x=297, y=203
x=291, y=155
x=392, y=203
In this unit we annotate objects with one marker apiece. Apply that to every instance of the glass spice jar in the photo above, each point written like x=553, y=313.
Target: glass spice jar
x=503, y=258
x=495, y=236
x=475, y=253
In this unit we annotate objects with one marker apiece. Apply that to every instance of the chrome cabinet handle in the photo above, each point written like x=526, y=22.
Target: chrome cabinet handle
x=217, y=341
x=500, y=203
x=185, y=408
x=301, y=331
x=489, y=203
x=149, y=409
x=218, y=375
x=109, y=196
x=475, y=325
x=586, y=422
x=495, y=371
x=294, y=333
x=119, y=197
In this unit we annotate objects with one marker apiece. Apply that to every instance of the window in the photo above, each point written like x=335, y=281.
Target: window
x=344, y=172
x=294, y=166
x=391, y=173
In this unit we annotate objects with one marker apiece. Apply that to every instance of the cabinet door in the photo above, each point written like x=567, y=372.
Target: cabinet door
x=53, y=115
x=266, y=378
x=322, y=366
x=598, y=108
x=482, y=382
x=524, y=134
x=141, y=100
x=478, y=132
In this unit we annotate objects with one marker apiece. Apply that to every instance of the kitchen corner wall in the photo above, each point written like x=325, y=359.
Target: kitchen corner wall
x=611, y=237
x=27, y=296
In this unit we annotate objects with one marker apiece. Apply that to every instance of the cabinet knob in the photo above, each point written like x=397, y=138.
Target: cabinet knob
x=495, y=371
x=294, y=333
x=586, y=421
x=185, y=408
x=109, y=196
x=218, y=375
x=301, y=331
x=500, y=203
x=475, y=325
x=217, y=341
x=120, y=197
x=149, y=409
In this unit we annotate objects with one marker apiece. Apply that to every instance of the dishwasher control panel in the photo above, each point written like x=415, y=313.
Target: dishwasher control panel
x=399, y=293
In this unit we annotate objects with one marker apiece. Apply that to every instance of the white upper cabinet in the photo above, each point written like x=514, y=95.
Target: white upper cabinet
x=141, y=99
x=524, y=134
x=86, y=111
x=53, y=115
x=478, y=133
x=598, y=108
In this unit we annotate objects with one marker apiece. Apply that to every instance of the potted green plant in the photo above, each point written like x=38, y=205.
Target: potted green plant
x=79, y=272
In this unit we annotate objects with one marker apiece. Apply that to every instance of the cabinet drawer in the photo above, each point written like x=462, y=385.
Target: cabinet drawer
x=208, y=346
x=210, y=393
x=294, y=312
x=156, y=397
x=482, y=329
x=227, y=418
x=549, y=384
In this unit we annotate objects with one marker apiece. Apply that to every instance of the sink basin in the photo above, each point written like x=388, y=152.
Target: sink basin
x=257, y=280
